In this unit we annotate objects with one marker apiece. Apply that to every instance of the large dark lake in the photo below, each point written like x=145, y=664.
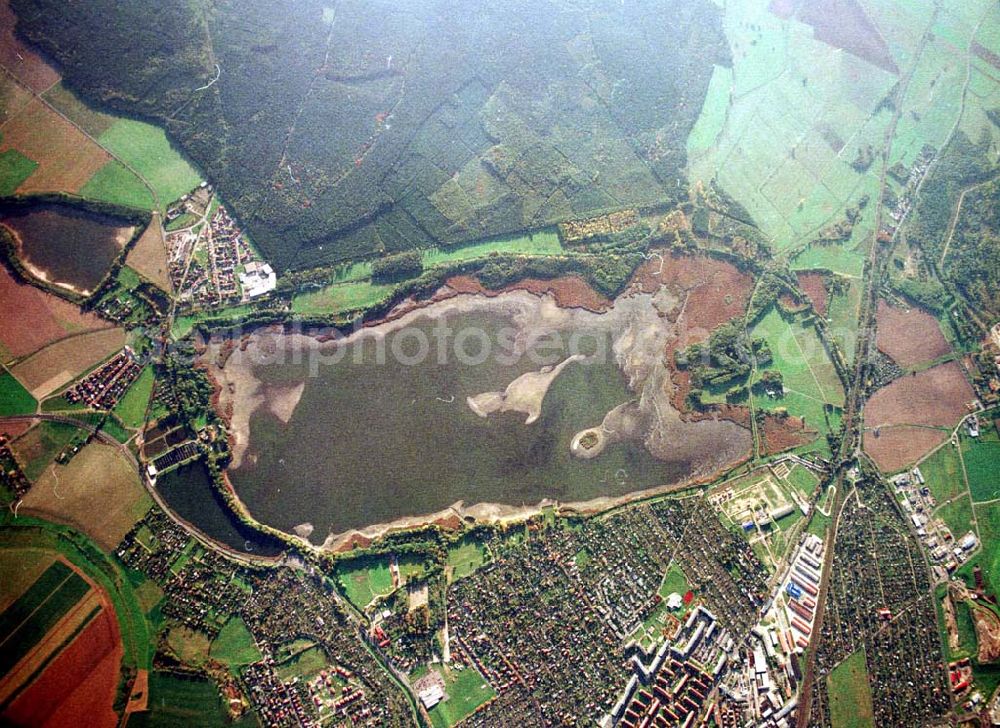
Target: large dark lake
x=65, y=244
x=189, y=492
x=369, y=443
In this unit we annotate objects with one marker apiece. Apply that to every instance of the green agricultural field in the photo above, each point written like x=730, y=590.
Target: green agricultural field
x=131, y=408
x=838, y=258
x=25, y=622
x=943, y=473
x=176, y=700
x=810, y=380
x=14, y=169
x=967, y=644
x=466, y=690
x=114, y=427
x=14, y=399
x=818, y=524
x=982, y=464
x=843, y=312
x=542, y=242
x=713, y=112
x=365, y=579
x=341, y=297
x=235, y=645
x=183, y=325
x=147, y=150
x=107, y=572
x=27, y=602
x=465, y=557
x=116, y=184
x=988, y=520
x=792, y=126
x=957, y=515
x=850, y=694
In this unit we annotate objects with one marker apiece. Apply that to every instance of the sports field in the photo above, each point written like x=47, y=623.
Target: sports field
x=809, y=378
x=850, y=694
x=465, y=557
x=466, y=690
x=363, y=580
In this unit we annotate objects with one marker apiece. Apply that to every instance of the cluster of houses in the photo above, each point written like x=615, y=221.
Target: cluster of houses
x=103, y=387
x=674, y=687
x=916, y=499
x=212, y=263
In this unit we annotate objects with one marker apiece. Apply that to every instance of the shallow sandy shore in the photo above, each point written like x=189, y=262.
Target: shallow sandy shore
x=525, y=394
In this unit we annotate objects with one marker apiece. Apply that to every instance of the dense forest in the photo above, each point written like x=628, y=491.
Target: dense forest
x=972, y=263
x=362, y=128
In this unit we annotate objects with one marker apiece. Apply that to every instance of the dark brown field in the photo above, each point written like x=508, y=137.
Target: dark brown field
x=909, y=335
x=41, y=318
x=814, y=286
x=901, y=445
x=900, y=413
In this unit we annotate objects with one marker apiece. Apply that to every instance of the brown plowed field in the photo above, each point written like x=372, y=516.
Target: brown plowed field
x=935, y=397
x=41, y=318
x=20, y=60
x=14, y=430
x=66, y=158
x=899, y=446
x=149, y=255
x=55, y=366
x=909, y=335
x=78, y=687
x=814, y=286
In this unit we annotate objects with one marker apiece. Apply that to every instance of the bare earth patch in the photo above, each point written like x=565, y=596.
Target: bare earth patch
x=55, y=366
x=66, y=158
x=936, y=397
x=897, y=446
x=149, y=255
x=97, y=492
